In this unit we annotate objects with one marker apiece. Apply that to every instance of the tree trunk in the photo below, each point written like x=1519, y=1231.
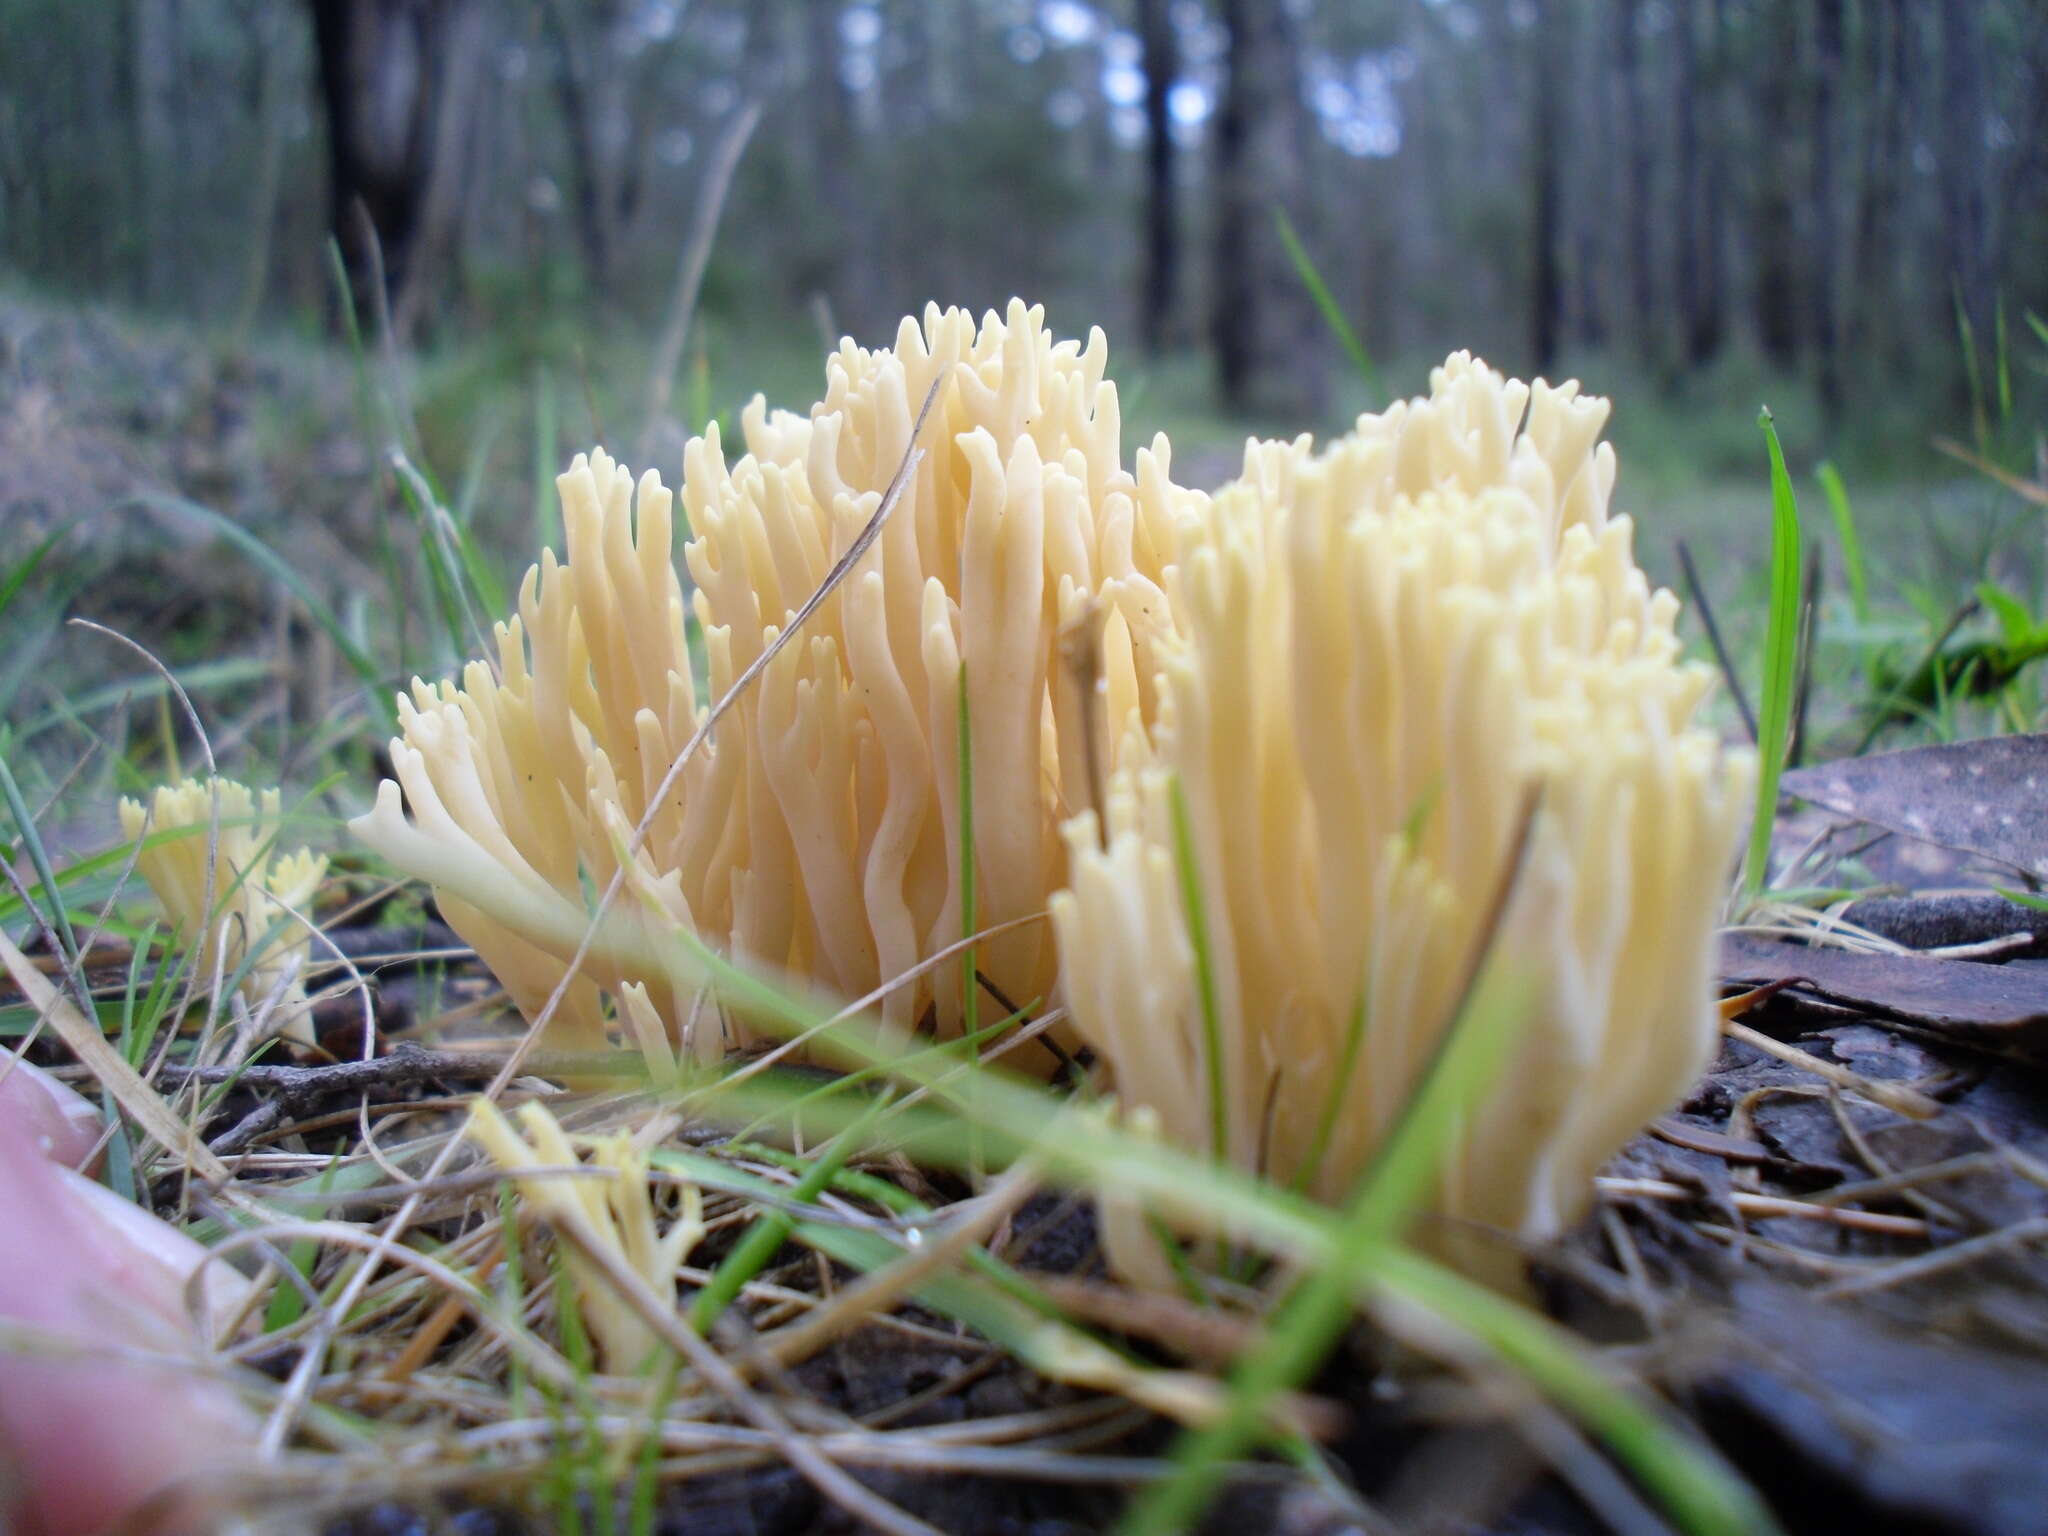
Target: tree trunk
x=1884, y=147
x=384, y=68
x=154, y=34
x=1774, y=219
x=1260, y=323
x=1686, y=200
x=1827, y=72
x=1546, y=284
x=462, y=53
x=274, y=67
x=1962, y=159
x=1706, y=316
x=839, y=270
x=1635, y=135
x=1592, y=219
x=591, y=196
x=1162, y=234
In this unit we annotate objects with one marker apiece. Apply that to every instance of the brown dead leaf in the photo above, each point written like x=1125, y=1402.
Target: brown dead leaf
x=1963, y=998
x=1988, y=798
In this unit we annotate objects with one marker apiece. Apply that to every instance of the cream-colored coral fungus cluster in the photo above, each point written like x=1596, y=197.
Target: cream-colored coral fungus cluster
x=1383, y=649
x=818, y=834
x=1315, y=705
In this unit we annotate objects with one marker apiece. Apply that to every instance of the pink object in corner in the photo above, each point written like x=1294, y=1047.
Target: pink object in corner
x=92, y=1440
x=63, y=1124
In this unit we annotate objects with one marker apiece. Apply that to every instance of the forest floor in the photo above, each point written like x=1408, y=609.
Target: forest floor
x=1828, y=1264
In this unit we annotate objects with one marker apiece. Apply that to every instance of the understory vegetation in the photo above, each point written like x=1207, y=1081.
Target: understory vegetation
x=779, y=1295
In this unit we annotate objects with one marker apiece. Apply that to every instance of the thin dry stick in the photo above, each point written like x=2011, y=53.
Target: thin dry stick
x=1896, y=1097
x=1767, y=1205
x=1942, y=1260
x=711, y=193
x=1911, y=1178
x=854, y=1009
x=1874, y=1161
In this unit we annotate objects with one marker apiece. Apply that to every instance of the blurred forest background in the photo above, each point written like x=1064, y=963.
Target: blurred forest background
x=1836, y=206
x=1826, y=182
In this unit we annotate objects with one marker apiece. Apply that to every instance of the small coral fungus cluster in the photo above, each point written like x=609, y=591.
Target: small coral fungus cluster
x=1270, y=809
x=207, y=851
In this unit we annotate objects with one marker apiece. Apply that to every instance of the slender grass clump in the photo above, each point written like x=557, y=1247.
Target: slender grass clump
x=232, y=897
x=819, y=833
x=1385, y=650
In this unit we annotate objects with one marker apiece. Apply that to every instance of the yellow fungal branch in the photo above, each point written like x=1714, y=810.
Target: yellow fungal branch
x=1382, y=649
x=619, y=1210
x=818, y=834
x=255, y=889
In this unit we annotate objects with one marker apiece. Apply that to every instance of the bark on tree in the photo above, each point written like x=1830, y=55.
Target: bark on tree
x=1162, y=233
x=385, y=68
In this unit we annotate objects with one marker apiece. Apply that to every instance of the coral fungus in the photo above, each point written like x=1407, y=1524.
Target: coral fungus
x=818, y=833
x=1383, y=649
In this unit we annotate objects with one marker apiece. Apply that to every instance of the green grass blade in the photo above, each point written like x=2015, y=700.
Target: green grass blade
x=39, y=856
x=1966, y=334
x=1845, y=530
x=25, y=567
x=142, y=687
x=1340, y=1089
x=448, y=562
x=1309, y=1320
x=2003, y=362
x=1326, y=304
x=470, y=491
x=547, y=513
x=772, y=1229
x=288, y=1301
x=1781, y=658
x=352, y=329
x=970, y=917
x=1197, y=917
